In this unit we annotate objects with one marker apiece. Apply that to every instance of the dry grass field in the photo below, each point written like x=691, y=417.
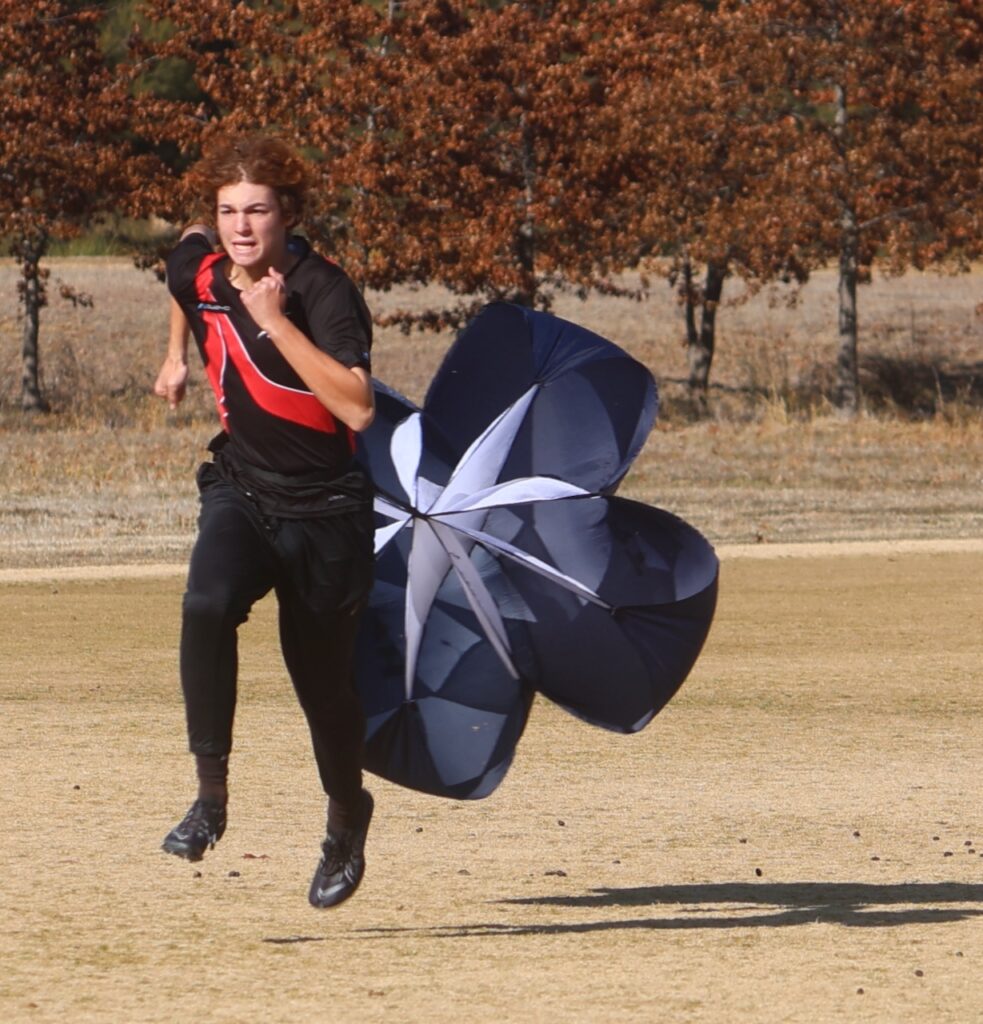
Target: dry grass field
x=797, y=837
x=108, y=477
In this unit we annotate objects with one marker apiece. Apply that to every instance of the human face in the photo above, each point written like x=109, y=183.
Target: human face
x=251, y=227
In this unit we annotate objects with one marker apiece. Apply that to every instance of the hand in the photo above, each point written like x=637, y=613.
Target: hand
x=266, y=300
x=172, y=381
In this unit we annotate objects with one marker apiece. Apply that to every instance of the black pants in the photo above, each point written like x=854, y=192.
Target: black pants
x=321, y=571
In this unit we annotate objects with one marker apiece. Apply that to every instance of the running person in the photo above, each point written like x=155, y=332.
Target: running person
x=285, y=339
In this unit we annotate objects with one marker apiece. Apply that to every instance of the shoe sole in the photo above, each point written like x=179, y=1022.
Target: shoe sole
x=322, y=899
x=184, y=850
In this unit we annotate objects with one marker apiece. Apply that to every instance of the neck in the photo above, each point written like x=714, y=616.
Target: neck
x=244, y=277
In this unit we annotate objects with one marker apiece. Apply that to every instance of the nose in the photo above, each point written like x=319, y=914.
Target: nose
x=241, y=222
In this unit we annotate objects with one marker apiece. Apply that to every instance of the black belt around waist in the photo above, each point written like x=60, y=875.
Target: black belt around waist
x=293, y=496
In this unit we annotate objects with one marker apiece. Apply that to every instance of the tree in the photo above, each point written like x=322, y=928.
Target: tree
x=889, y=98
x=465, y=144
x=251, y=68
x=510, y=148
x=496, y=149
x=698, y=115
x=63, y=155
x=774, y=136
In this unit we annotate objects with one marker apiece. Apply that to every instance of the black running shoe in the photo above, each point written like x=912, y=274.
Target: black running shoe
x=202, y=827
x=343, y=862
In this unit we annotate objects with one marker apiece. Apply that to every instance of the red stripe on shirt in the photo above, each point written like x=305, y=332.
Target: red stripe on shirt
x=215, y=353
x=223, y=342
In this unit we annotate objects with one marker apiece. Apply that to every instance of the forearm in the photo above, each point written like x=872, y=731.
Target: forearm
x=178, y=334
x=173, y=376
x=345, y=392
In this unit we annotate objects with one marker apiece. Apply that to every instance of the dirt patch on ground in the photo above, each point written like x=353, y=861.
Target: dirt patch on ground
x=798, y=836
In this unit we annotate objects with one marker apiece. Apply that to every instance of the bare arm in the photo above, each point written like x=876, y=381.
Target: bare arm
x=346, y=392
x=172, y=380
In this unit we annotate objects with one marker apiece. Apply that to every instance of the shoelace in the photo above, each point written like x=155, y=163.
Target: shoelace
x=337, y=853
x=201, y=818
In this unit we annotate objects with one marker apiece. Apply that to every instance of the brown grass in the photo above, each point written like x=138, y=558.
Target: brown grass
x=921, y=342
x=108, y=475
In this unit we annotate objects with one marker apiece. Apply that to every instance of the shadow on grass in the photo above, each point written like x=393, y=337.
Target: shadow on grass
x=920, y=387
x=734, y=905
x=907, y=387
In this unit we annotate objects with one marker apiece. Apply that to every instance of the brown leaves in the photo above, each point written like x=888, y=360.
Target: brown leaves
x=506, y=147
x=65, y=156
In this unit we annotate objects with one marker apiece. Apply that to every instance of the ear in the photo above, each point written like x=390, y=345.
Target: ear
x=288, y=211
x=291, y=218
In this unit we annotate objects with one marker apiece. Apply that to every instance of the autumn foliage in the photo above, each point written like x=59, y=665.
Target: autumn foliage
x=464, y=144
x=887, y=97
x=64, y=158
x=516, y=149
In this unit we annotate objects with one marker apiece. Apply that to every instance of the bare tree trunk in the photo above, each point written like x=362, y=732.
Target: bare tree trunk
x=32, y=297
x=846, y=391
x=689, y=304
x=700, y=343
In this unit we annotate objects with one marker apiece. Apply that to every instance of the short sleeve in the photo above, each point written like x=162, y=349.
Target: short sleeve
x=182, y=266
x=339, y=321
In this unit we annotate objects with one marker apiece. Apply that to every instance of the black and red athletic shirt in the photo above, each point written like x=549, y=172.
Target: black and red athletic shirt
x=273, y=420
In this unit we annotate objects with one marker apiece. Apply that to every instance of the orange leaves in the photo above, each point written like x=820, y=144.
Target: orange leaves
x=63, y=114
x=509, y=145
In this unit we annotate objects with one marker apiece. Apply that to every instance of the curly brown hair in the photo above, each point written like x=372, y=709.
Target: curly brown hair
x=258, y=159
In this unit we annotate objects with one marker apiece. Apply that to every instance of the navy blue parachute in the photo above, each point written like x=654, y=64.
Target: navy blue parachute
x=505, y=565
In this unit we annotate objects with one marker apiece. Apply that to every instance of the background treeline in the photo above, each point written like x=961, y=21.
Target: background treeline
x=520, y=149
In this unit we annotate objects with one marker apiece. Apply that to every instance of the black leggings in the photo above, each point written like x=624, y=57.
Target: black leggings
x=239, y=557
